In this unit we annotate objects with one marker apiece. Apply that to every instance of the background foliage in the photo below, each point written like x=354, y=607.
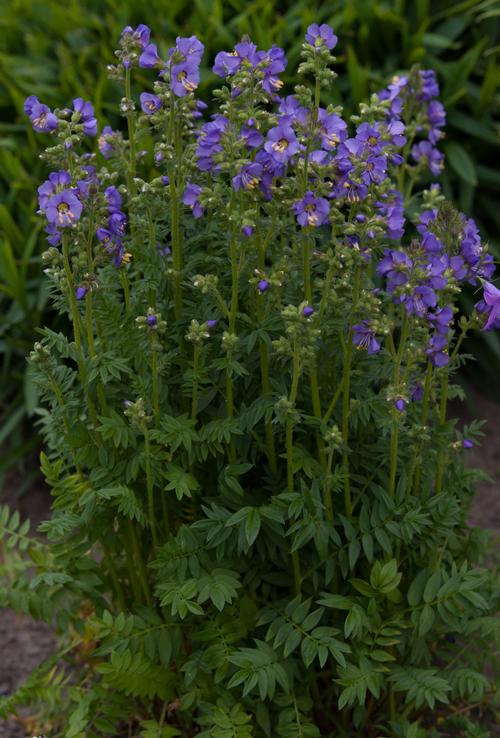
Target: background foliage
x=58, y=51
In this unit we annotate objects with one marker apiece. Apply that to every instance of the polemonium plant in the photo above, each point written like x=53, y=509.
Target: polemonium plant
x=260, y=504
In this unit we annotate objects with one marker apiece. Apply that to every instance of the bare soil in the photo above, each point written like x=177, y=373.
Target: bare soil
x=25, y=643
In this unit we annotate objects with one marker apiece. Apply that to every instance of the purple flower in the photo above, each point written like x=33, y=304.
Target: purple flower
x=86, y=116
x=308, y=311
x=228, y=63
x=149, y=103
x=151, y=320
x=273, y=62
x=185, y=77
x=105, y=141
x=209, y=143
x=84, y=186
x=290, y=107
x=491, y=298
x=117, y=223
x=53, y=234
x=369, y=137
x=189, y=47
x=441, y=319
x=63, y=209
x=113, y=199
x=395, y=265
x=312, y=211
x=140, y=35
x=248, y=177
x=430, y=87
x=374, y=169
x=56, y=181
x=42, y=118
x=437, y=350
x=190, y=198
x=81, y=291
x=282, y=142
x=419, y=300
x=211, y=324
x=467, y=443
x=149, y=59
x=332, y=129
x=392, y=209
x=263, y=285
x=251, y=136
x=396, y=129
x=417, y=392
x=247, y=231
x=400, y=405
x=436, y=116
x=364, y=337
x=425, y=152
x=321, y=35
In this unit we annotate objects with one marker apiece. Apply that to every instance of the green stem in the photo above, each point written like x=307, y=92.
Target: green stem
x=139, y=561
x=442, y=421
x=150, y=488
x=328, y=488
x=131, y=563
x=346, y=396
x=131, y=135
x=333, y=403
x=194, y=392
x=75, y=317
x=264, y=373
x=233, y=311
x=60, y=399
x=395, y=412
x=126, y=290
x=425, y=412
x=155, y=381
x=308, y=246
x=120, y=597
x=289, y=455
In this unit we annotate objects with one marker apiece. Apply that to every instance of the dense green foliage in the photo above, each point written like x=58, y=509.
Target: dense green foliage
x=59, y=50
x=257, y=531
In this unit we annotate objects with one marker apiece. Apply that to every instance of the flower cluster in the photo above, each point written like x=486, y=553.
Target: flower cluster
x=112, y=232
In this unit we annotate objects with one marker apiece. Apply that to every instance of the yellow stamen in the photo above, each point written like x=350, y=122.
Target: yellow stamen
x=280, y=145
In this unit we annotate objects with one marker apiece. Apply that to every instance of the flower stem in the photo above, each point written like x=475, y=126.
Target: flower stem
x=131, y=135
x=425, y=412
x=346, y=398
x=233, y=311
x=150, y=488
x=264, y=373
x=395, y=423
x=60, y=399
x=442, y=420
x=155, y=381
x=139, y=561
x=194, y=392
x=120, y=597
x=75, y=316
x=289, y=455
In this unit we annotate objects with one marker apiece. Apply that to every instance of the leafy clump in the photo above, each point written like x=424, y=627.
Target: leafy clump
x=260, y=507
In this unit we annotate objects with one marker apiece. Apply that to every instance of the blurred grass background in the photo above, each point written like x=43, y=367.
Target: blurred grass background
x=58, y=51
